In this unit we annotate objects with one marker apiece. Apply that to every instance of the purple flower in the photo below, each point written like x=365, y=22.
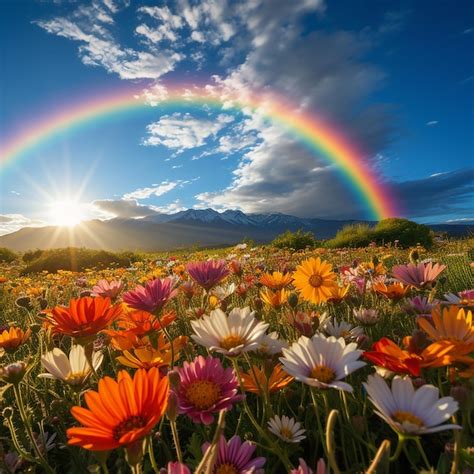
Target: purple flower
x=206, y=388
x=419, y=275
x=153, y=297
x=175, y=468
x=208, y=274
x=421, y=306
x=105, y=288
x=236, y=457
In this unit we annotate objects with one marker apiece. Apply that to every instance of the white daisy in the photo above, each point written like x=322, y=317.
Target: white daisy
x=322, y=361
x=341, y=329
x=366, y=316
x=73, y=370
x=271, y=345
x=222, y=292
x=287, y=429
x=230, y=335
x=409, y=411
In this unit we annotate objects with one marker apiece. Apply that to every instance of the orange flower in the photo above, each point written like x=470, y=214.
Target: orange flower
x=11, y=339
x=338, y=293
x=371, y=268
x=276, y=280
x=274, y=299
x=393, y=291
x=3, y=279
x=143, y=322
x=257, y=381
x=84, y=318
x=122, y=412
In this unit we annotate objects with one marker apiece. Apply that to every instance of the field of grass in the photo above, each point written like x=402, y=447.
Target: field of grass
x=191, y=361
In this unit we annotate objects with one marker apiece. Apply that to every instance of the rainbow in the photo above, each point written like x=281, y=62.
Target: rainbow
x=307, y=128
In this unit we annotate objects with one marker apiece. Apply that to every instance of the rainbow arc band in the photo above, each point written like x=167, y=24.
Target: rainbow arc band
x=307, y=128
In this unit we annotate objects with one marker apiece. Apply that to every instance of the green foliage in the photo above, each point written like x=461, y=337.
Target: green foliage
x=75, y=259
x=387, y=231
x=7, y=256
x=31, y=255
x=298, y=240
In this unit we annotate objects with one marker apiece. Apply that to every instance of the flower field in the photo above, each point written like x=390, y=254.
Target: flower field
x=242, y=360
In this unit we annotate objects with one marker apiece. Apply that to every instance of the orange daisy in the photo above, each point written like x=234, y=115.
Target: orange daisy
x=257, y=381
x=276, y=280
x=314, y=280
x=275, y=299
x=392, y=291
x=122, y=412
x=84, y=317
x=12, y=338
x=338, y=293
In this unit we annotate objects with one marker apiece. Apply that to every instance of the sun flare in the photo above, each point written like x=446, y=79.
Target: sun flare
x=66, y=213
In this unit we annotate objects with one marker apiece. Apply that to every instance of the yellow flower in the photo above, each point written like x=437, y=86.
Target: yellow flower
x=450, y=324
x=276, y=280
x=338, y=293
x=314, y=280
x=275, y=299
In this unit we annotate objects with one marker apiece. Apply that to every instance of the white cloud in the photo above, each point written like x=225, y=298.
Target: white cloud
x=184, y=131
x=171, y=208
x=124, y=208
x=431, y=123
x=159, y=190
x=12, y=222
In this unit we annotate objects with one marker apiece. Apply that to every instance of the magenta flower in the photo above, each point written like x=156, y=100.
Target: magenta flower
x=419, y=275
x=208, y=274
x=236, y=457
x=303, y=468
x=205, y=388
x=105, y=288
x=176, y=468
x=153, y=297
x=421, y=306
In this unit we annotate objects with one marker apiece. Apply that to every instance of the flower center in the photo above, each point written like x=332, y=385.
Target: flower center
x=227, y=468
x=232, y=341
x=130, y=424
x=323, y=374
x=402, y=416
x=203, y=394
x=315, y=281
x=286, y=433
x=76, y=378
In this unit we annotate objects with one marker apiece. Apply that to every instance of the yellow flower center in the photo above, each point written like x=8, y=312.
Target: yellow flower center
x=323, y=374
x=402, y=416
x=286, y=433
x=130, y=424
x=203, y=394
x=227, y=468
x=232, y=341
x=76, y=378
x=315, y=281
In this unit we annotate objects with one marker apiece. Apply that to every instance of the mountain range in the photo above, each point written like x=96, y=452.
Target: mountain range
x=192, y=227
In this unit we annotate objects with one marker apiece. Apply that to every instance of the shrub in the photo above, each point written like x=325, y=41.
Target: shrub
x=7, y=256
x=294, y=240
x=75, y=259
x=31, y=255
x=407, y=233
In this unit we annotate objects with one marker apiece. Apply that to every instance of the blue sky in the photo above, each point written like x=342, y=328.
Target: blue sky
x=397, y=78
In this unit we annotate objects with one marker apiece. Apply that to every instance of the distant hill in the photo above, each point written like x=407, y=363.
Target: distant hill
x=193, y=227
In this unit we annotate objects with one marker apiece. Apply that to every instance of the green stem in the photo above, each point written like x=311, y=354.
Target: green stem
x=398, y=450
x=174, y=430
x=422, y=452
x=318, y=419
x=151, y=455
x=24, y=418
x=103, y=465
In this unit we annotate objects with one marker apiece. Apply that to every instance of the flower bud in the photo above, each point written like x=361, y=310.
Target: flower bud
x=172, y=410
x=293, y=300
x=174, y=379
x=258, y=304
x=7, y=412
x=460, y=393
x=13, y=373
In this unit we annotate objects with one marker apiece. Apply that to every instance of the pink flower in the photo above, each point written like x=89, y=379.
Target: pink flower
x=153, y=297
x=206, y=388
x=303, y=468
x=208, y=274
x=105, y=288
x=421, y=306
x=236, y=455
x=419, y=275
x=175, y=468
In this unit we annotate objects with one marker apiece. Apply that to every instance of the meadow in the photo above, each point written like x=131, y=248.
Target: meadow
x=242, y=360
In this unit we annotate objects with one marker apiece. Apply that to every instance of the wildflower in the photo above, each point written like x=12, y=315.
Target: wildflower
x=229, y=335
x=322, y=362
x=257, y=381
x=421, y=306
x=205, y=388
x=418, y=276
x=13, y=373
x=122, y=412
x=394, y=291
x=74, y=370
x=223, y=292
x=331, y=327
x=84, y=317
x=107, y=289
x=303, y=322
x=409, y=411
x=287, y=429
x=12, y=338
x=452, y=324
x=463, y=298
x=175, y=468
x=208, y=274
x=275, y=299
x=338, y=293
x=314, y=280
x=189, y=289
x=235, y=457
x=153, y=296
x=303, y=468
x=365, y=316
x=271, y=345
x=276, y=280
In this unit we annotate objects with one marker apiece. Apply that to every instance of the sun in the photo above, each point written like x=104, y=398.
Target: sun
x=65, y=213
